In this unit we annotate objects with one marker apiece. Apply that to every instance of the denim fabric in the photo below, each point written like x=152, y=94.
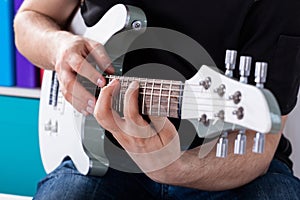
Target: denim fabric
x=66, y=183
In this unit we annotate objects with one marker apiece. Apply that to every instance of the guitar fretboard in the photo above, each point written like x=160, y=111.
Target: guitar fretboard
x=157, y=97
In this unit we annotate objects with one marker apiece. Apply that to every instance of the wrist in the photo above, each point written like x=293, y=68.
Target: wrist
x=58, y=40
x=174, y=174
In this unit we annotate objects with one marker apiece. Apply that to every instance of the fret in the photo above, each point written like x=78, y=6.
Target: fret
x=158, y=88
x=173, y=113
x=151, y=96
x=159, y=98
x=169, y=98
x=180, y=99
x=162, y=95
x=120, y=96
x=126, y=86
x=144, y=97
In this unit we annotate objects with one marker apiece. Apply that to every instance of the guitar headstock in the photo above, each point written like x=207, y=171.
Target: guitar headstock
x=217, y=97
x=218, y=100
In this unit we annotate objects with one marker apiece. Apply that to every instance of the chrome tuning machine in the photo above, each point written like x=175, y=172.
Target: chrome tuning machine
x=260, y=74
x=245, y=67
x=222, y=146
x=230, y=60
x=241, y=139
x=260, y=79
x=240, y=143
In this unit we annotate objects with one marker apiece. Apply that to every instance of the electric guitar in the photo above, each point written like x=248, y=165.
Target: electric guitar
x=211, y=101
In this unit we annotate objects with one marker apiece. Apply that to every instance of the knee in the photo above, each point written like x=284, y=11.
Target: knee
x=66, y=186
x=272, y=186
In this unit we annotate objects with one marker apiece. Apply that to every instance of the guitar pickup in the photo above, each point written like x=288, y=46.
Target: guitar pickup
x=54, y=90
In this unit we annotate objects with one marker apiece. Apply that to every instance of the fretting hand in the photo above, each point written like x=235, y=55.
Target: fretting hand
x=152, y=146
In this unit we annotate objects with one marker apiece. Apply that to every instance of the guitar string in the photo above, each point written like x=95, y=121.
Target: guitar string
x=186, y=96
x=185, y=87
x=164, y=99
x=168, y=84
x=180, y=96
x=173, y=112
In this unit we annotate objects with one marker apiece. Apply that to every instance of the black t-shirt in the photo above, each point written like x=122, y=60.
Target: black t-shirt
x=266, y=30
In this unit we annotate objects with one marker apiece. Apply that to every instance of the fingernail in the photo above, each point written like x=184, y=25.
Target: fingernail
x=91, y=103
x=90, y=110
x=100, y=82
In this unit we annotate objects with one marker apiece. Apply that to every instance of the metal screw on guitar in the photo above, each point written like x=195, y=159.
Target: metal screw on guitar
x=220, y=90
x=204, y=120
x=236, y=97
x=260, y=79
x=206, y=83
x=239, y=113
x=136, y=25
x=220, y=115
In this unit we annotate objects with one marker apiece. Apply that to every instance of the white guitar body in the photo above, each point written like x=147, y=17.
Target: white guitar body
x=57, y=129
x=225, y=104
x=60, y=125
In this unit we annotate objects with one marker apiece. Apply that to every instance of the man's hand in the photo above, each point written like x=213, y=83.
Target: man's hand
x=47, y=46
x=152, y=146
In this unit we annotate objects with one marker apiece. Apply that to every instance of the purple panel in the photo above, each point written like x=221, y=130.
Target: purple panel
x=27, y=75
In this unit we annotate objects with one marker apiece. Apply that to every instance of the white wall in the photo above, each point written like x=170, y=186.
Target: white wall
x=292, y=131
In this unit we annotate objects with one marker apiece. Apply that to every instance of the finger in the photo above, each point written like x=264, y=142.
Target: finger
x=158, y=123
x=104, y=113
x=80, y=65
x=75, y=93
x=101, y=57
x=135, y=124
x=164, y=128
x=83, y=100
x=131, y=107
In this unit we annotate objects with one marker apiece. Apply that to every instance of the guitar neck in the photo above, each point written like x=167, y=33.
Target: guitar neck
x=157, y=97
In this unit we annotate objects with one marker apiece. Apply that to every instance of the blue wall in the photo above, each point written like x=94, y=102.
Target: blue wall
x=20, y=162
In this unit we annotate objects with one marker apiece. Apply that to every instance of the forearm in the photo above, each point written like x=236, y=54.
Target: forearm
x=212, y=173
x=36, y=37
x=38, y=29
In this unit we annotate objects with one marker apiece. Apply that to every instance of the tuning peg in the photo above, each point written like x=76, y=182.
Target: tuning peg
x=260, y=79
x=241, y=139
x=259, y=143
x=222, y=146
x=240, y=143
x=260, y=73
x=245, y=67
x=230, y=60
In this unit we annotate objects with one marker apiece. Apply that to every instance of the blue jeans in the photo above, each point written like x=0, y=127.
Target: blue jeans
x=66, y=183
